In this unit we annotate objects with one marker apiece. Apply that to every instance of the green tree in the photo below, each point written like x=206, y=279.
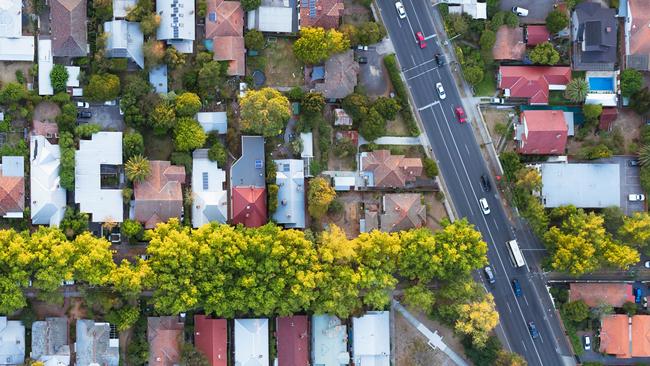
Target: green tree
x=635, y=230
x=149, y=24
x=458, y=24
x=356, y=105
x=319, y=197
x=387, y=107
x=556, y=20
x=313, y=103
x=631, y=82
x=511, y=19
x=419, y=297
x=254, y=40
x=163, y=118
x=576, y=90
x=66, y=174
x=544, y=54
x=477, y=320
x=630, y=308
x=209, y=77
x=505, y=358
x=473, y=74
x=430, y=167
x=592, y=111
x=372, y=125
x=317, y=44
x=13, y=93
x=59, y=78
x=511, y=164
x=488, y=37
x=218, y=153
x=102, y=87
x=137, y=168
x=250, y=5
x=14, y=270
x=351, y=32
x=370, y=32
x=93, y=259
x=130, y=279
x=272, y=194
x=264, y=112
x=134, y=101
x=190, y=356
x=132, y=229
x=67, y=120
x=74, y=222
x=132, y=144
x=154, y=52
x=188, y=104
x=53, y=254
x=86, y=130
x=188, y=135
x=640, y=101
x=173, y=58
x=575, y=311
x=123, y=318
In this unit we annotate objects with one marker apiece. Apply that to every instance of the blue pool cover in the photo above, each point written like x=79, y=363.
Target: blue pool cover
x=601, y=83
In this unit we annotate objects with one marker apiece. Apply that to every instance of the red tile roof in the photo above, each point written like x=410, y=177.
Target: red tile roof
x=614, y=336
x=293, y=340
x=509, y=44
x=403, y=211
x=249, y=206
x=160, y=196
x=640, y=31
x=536, y=34
x=593, y=294
x=532, y=81
x=12, y=194
x=224, y=24
x=546, y=132
x=165, y=336
x=607, y=119
x=328, y=13
x=641, y=336
x=391, y=170
x=211, y=338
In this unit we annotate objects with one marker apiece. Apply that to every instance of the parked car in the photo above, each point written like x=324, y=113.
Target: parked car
x=489, y=274
x=110, y=102
x=401, y=12
x=646, y=264
x=633, y=162
x=440, y=59
x=645, y=302
x=587, y=343
x=362, y=60
x=636, y=197
x=485, y=183
x=441, y=91
x=496, y=100
x=516, y=287
x=637, y=295
x=460, y=114
x=484, y=206
x=533, y=330
x=81, y=104
x=67, y=282
x=522, y=12
x=84, y=114
x=420, y=37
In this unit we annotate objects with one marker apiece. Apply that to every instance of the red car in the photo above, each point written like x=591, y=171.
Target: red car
x=420, y=38
x=460, y=113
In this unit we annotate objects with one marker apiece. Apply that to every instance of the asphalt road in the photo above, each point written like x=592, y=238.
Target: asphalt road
x=461, y=164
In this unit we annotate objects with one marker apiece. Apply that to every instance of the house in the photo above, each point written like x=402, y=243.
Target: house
x=274, y=16
x=595, y=294
x=329, y=341
x=321, y=13
x=594, y=33
x=248, y=185
x=474, y=8
x=165, y=337
x=371, y=339
x=159, y=197
x=622, y=336
x=12, y=342
x=13, y=45
x=50, y=341
x=12, y=187
x=158, y=79
x=381, y=169
x=340, y=76
x=536, y=34
x=121, y=8
x=290, y=179
x=341, y=118
x=47, y=197
x=293, y=340
x=213, y=121
x=509, y=44
x=211, y=339
x=532, y=82
x=45, y=66
x=402, y=211
x=541, y=132
x=176, y=24
x=209, y=197
x=98, y=177
x=639, y=334
x=124, y=40
x=68, y=22
x=224, y=26
x=637, y=34
x=96, y=344
x=252, y=342
x=581, y=185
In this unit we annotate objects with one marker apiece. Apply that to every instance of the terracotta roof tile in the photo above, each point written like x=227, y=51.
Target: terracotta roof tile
x=640, y=29
x=165, y=336
x=160, y=197
x=210, y=338
x=403, y=211
x=532, y=82
x=391, y=170
x=293, y=340
x=593, y=294
x=607, y=118
x=249, y=206
x=614, y=335
x=536, y=34
x=641, y=336
x=547, y=132
x=12, y=194
x=224, y=24
x=509, y=44
x=328, y=13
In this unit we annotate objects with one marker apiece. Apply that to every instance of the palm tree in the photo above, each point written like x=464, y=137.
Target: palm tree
x=137, y=168
x=576, y=91
x=644, y=156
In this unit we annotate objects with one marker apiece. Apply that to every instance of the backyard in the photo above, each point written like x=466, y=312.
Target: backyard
x=281, y=67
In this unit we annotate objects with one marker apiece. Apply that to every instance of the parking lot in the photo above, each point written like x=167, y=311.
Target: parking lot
x=630, y=183
x=537, y=10
x=108, y=117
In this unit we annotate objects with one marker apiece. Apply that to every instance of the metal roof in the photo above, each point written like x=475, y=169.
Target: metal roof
x=48, y=199
x=371, y=339
x=210, y=199
x=248, y=170
x=581, y=185
x=213, y=121
x=252, y=342
x=290, y=178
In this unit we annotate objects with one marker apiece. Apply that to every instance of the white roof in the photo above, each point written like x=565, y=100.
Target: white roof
x=120, y=7
x=48, y=199
x=581, y=185
x=290, y=178
x=604, y=99
x=176, y=28
x=11, y=21
x=307, y=145
x=12, y=341
x=472, y=8
x=73, y=76
x=13, y=166
x=210, y=199
x=271, y=19
x=213, y=121
x=329, y=341
x=45, y=66
x=125, y=39
x=251, y=342
x=344, y=183
x=104, y=205
x=371, y=339
x=17, y=49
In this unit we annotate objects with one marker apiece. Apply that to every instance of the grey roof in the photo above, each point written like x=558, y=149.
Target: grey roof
x=158, y=79
x=274, y=16
x=595, y=35
x=581, y=185
x=125, y=39
x=69, y=28
x=177, y=23
x=290, y=179
x=213, y=121
x=249, y=170
x=12, y=342
x=341, y=72
x=13, y=166
x=94, y=344
x=50, y=341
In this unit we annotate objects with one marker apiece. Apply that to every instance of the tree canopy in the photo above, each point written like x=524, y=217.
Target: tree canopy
x=544, y=54
x=187, y=104
x=556, y=20
x=102, y=87
x=188, y=134
x=59, y=78
x=264, y=111
x=319, y=197
x=317, y=44
x=576, y=90
x=631, y=82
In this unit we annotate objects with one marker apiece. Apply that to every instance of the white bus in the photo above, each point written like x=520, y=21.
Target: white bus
x=515, y=254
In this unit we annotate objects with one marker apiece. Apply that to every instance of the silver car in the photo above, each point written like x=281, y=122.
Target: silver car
x=401, y=12
x=441, y=91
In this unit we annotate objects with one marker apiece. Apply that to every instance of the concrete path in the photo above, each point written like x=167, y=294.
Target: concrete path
x=435, y=341
x=393, y=140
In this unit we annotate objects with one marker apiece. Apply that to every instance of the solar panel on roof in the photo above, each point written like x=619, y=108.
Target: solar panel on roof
x=205, y=181
x=258, y=164
x=212, y=17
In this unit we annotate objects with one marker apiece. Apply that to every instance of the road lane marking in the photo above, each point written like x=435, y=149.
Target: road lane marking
x=467, y=148
x=412, y=58
x=431, y=36
x=429, y=105
x=416, y=66
x=418, y=19
x=495, y=222
x=524, y=344
x=526, y=300
x=420, y=74
x=508, y=305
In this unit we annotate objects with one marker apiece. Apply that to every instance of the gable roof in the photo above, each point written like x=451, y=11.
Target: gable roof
x=249, y=170
x=402, y=211
x=224, y=24
x=329, y=339
x=390, y=170
x=210, y=201
x=614, y=335
x=13, y=45
x=593, y=294
x=509, y=44
x=340, y=76
x=595, y=36
x=12, y=341
x=293, y=340
x=321, y=13
x=371, y=339
x=536, y=34
x=94, y=344
x=290, y=179
x=249, y=206
x=638, y=37
x=50, y=341
x=532, y=82
x=69, y=34
x=252, y=342
x=165, y=336
x=160, y=196
x=177, y=23
x=12, y=187
x=640, y=336
x=45, y=66
x=47, y=198
x=210, y=338
x=544, y=132
x=125, y=39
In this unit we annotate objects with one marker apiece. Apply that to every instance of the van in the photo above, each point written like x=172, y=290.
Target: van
x=520, y=11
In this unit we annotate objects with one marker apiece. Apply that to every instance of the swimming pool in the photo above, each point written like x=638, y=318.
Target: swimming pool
x=601, y=83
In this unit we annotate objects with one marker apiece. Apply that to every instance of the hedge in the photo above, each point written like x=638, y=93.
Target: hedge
x=390, y=62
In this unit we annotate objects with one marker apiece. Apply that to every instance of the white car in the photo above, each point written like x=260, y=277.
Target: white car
x=636, y=197
x=520, y=11
x=400, y=10
x=484, y=206
x=646, y=264
x=83, y=105
x=587, y=343
x=110, y=102
x=441, y=91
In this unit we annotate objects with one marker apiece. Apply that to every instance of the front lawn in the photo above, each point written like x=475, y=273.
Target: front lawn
x=488, y=86
x=157, y=147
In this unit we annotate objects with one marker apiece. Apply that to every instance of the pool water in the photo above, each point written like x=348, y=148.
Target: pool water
x=601, y=83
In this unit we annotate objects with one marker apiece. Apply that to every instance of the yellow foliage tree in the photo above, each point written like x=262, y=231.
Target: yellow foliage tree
x=477, y=320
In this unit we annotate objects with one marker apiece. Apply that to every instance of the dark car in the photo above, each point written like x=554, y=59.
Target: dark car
x=533, y=330
x=485, y=183
x=633, y=162
x=84, y=114
x=440, y=59
x=637, y=295
x=362, y=60
x=516, y=287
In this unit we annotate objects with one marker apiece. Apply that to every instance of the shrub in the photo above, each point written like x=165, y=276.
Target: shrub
x=273, y=197
x=132, y=229
x=218, y=153
x=188, y=135
x=132, y=144
x=430, y=167
x=58, y=78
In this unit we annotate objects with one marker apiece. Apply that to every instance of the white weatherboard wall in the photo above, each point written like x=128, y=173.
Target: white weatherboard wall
x=371, y=339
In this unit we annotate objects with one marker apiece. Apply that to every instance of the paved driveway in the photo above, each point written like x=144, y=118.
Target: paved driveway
x=630, y=183
x=537, y=10
x=108, y=117
x=372, y=75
